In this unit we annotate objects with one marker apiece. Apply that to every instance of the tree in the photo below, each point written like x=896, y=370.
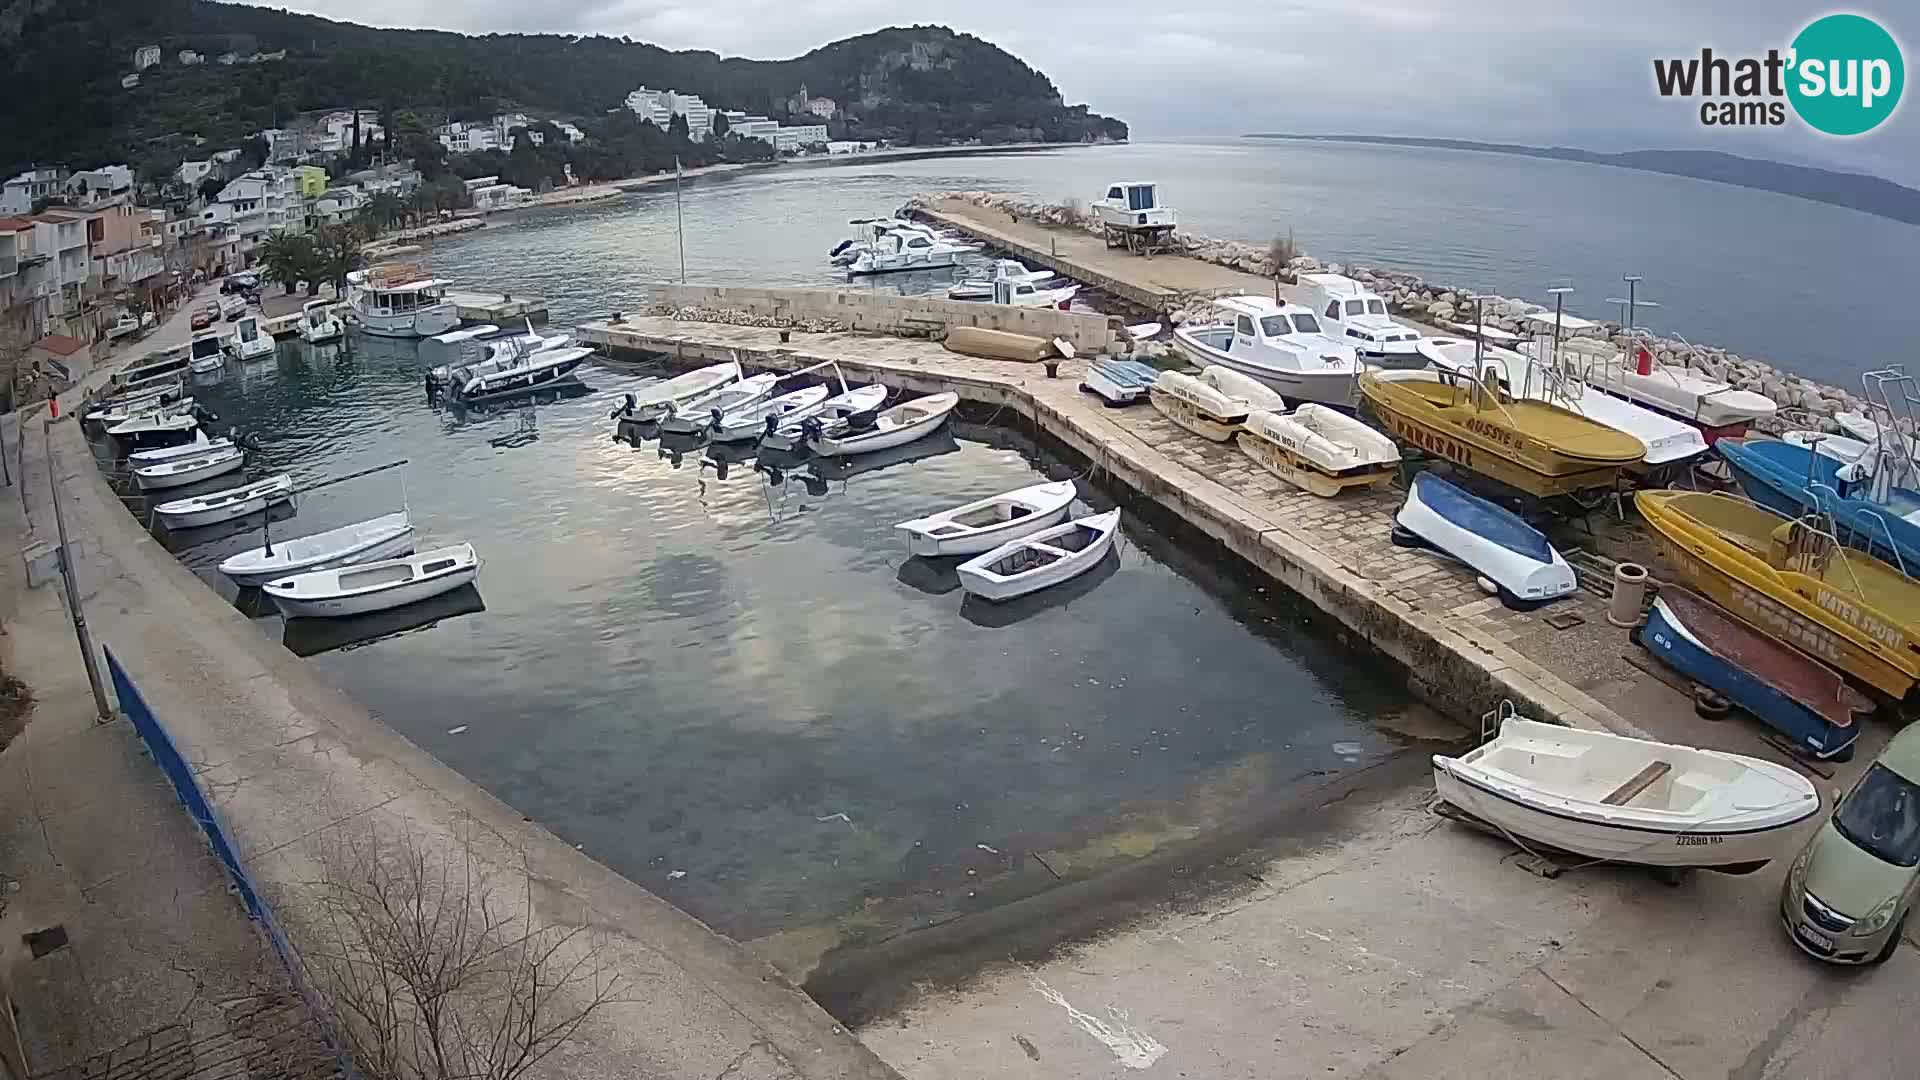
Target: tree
x=289, y=259
x=211, y=187
x=254, y=151
x=335, y=254
x=383, y=210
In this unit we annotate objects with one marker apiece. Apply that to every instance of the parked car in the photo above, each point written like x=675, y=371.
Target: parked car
x=204, y=316
x=1849, y=890
x=246, y=281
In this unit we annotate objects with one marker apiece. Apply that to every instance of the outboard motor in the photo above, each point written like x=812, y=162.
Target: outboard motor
x=840, y=247
x=862, y=421
x=772, y=425
x=714, y=424
x=626, y=408
x=811, y=428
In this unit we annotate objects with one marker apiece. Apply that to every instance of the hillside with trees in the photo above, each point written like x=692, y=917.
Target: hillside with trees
x=62, y=100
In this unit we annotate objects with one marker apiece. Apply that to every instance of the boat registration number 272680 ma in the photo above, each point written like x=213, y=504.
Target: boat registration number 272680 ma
x=1698, y=841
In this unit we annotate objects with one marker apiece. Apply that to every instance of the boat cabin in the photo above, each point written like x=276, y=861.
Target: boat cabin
x=1027, y=294
x=1261, y=326
x=205, y=345
x=1133, y=204
x=402, y=299
x=1351, y=311
x=317, y=312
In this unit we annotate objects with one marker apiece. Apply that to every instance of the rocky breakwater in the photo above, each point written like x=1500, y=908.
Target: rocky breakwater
x=1803, y=403
x=738, y=317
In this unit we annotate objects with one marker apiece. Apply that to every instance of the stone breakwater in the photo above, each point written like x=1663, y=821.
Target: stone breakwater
x=738, y=317
x=1803, y=403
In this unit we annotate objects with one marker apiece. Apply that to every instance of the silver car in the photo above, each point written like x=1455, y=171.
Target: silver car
x=1848, y=891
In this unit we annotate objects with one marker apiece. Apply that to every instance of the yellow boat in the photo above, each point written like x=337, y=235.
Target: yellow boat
x=1794, y=582
x=1533, y=446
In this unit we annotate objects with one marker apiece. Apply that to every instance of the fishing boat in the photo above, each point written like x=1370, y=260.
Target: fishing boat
x=1356, y=314
x=988, y=523
x=1045, y=558
x=1531, y=446
x=1635, y=801
x=765, y=416
x=248, y=342
x=318, y=324
x=1796, y=695
x=206, y=352
x=653, y=402
x=1119, y=382
x=225, y=505
x=400, y=301
x=1719, y=409
x=1869, y=511
x=897, y=426
x=1281, y=345
x=1317, y=449
x=189, y=468
x=1496, y=543
x=694, y=416
x=1795, y=581
x=1198, y=406
x=383, y=537
x=835, y=410
x=374, y=586
x=200, y=444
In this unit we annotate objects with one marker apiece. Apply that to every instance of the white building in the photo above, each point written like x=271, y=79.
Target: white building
x=337, y=205
x=847, y=147
x=467, y=138
x=497, y=196
x=192, y=174
x=573, y=134
x=145, y=57
x=749, y=126
x=227, y=58
x=130, y=80
x=792, y=140
x=20, y=193
x=333, y=133
x=104, y=186
x=660, y=107
x=188, y=58
x=256, y=205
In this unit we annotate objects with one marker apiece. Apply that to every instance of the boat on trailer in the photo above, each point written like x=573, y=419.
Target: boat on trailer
x=1493, y=541
x=987, y=523
x=383, y=537
x=374, y=586
x=1616, y=799
x=1041, y=559
x=1318, y=449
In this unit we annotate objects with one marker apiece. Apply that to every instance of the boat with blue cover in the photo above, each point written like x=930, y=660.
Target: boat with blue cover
x=1119, y=382
x=1870, y=512
x=1498, y=544
x=1796, y=695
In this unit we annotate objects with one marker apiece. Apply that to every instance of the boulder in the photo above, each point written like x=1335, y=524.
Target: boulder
x=1440, y=309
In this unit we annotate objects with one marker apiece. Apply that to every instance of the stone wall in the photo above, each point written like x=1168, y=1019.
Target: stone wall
x=822, y=310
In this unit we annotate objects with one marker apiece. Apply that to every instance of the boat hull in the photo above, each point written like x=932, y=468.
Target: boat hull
x=215, y=515
x=1302, y=473
x=1495, y=543
x=364, y=603
x=1048, y=505
x=976, y=579
x=391, y=546
x=889, y=437
x=1335, y=388
x=220, y=466
x=1119, y=382
x=1669, y=638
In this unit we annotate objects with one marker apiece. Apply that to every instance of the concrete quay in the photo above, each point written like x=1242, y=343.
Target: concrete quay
x=500, y=309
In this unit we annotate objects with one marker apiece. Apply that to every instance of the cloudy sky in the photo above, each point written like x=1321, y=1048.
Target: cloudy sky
x=1568, y=72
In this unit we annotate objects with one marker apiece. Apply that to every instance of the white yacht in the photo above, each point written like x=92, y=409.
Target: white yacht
x=394, y=302
x=1281, y=345
x=903, y=247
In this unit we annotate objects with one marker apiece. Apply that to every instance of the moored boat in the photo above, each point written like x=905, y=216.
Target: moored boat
x=1318, y=449
x=653, y=402
x=1041, y=559
x=516, y=372
x=1793, y=580
x=789, y=436
x=400, y=301
x=695, y=415
x=187, y=469
x=374, y=586
x=318, y=324
x=200, y=444
x=987, y=523
x=1536, y=448
x=1791, y=692
x=897, y=426
x=1495, y=542
x=383, y=537
x=218, y=506
x=247, y=342
x=1624, y=800
x=1198, y=406
x=765, y=416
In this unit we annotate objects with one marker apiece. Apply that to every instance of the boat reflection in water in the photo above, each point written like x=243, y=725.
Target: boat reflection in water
x=306, y=637
x=458, y=414
x=933, y=576
x=842, y=469
x=996, y=614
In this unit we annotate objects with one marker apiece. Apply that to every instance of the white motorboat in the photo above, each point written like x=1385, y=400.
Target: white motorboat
x=112, y=415
x=1612, y=798
x=1492, y=540
x=1250, y=392
x=225, y=505
x=318, y=324
x=374, y=586
x=767, y=415
x=902, y=247
x=831, y=412
x=897, y=426
x=1717, y=406
x=465, y=333
x=514, y=372
x=694, y=416
x=206, y=352
x=1356, y=314
x=156, y=425
x=497, y=352
x=1003, y=270
x=1045, y=558
x=1198, y=406
x=232, y=306
x=1318, y=449
x=1281, y=345
x=400, y=301
x=385, y=537
x=200, y=444
x=248, y=342
x=653, y=402
x=988, y=523
x=189, y=468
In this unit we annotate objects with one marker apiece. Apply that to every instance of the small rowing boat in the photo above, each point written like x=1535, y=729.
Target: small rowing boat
x=374, y=586
x=1045, y=558
x=766, y=415
x=189, y=468
x=218, y=506
x=988, y=523
x=834, y=410
x=897, y=426
x=383, y=537
x=653, y=402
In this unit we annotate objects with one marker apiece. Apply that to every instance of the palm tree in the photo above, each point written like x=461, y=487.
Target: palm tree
x=288, y=258
x=336, y=253
x=383, y=210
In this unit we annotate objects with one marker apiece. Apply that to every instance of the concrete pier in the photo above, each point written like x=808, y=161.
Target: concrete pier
x=500, y=309
x=1462, y=650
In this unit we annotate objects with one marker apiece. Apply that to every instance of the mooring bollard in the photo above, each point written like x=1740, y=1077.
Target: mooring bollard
x=1053, y=368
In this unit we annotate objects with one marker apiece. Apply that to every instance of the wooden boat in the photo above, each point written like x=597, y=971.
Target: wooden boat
x=997, y=344
x=1045, y=558
x=200, y=444
x=1791, y=692
x=374, y=586
x=1795, y=582
x=1531, y=446
x=766, y=415
x=225, y=505
x=897, y=426
x=383, y=537
x=189, y=468
x=1119, y=382
x=835, y=409
x=653, y=402
x=1198, y=406
x=1318, y=449
x=1626, y=800
x=988, y=523
x=1495, y=542
x=696, y=415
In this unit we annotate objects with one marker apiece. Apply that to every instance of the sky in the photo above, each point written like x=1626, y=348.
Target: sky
x=1559, y=72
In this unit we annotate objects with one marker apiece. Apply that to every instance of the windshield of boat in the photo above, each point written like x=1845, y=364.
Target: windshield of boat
x=1356, y=307
x=1275, y=326
x=1306, y=324
x=205, y=347
x=1376, y=307
x=1882, y=817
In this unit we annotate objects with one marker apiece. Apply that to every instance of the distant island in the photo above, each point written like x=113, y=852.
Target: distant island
x=1855, y=191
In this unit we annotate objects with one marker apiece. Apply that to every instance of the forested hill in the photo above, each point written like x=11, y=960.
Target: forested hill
x=61, y=99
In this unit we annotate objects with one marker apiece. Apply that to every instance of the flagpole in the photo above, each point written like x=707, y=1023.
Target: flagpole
x=679, y=220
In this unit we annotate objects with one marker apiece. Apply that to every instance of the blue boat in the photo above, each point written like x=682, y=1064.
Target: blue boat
x=1793, y=480
x=1794, y=694
x=1498, y=544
